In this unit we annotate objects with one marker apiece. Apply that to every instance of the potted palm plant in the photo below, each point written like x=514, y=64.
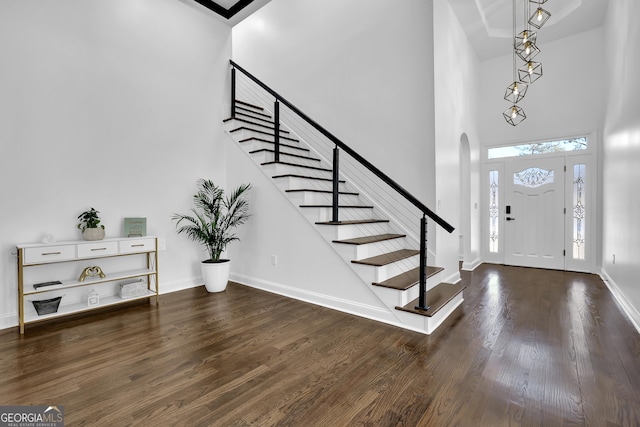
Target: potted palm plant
x=211, y=223
x=90, y=225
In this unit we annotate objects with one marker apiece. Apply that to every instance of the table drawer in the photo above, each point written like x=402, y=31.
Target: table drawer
x=137, y=245
x=45, y=254
x=97, y=249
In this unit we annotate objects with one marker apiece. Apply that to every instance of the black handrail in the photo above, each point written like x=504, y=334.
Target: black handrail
x=364, y=162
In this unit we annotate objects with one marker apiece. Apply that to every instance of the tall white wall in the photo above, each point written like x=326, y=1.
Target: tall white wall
x=115, y=105
x=362, y=69
x=456, y=100
x=567, y=99
x=621, y=204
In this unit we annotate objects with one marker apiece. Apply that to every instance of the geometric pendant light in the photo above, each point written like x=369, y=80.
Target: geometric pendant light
x=530, y=72
x=539, y=17
x=514, y=115
x=527, y=50
x=515, y=92
x=524, y=46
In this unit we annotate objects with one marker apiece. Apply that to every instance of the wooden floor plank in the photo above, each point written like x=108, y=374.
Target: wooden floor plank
x=526, y=347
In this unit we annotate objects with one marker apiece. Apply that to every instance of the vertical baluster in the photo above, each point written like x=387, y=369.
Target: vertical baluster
x=336, y=182
x=276, y=130
x=422, y=299
x=233, y=92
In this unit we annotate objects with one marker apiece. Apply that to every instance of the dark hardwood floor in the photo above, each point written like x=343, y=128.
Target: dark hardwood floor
x=528, y=347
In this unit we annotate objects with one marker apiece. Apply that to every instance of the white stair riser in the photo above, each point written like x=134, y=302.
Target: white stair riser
x=250, y=133
x=429, y=324
x=372, y=274
x=351, y=252
x=340, y=232
x=287, y=183
x=345, y=214
x=314, y=198
x=253, y=145
x=393, y=297
x=280, y=169
x=265, y=156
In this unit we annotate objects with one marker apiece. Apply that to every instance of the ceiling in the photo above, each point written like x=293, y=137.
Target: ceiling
x=489, y=23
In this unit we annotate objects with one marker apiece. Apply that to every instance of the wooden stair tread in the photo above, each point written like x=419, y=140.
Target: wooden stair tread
x=252, y=117
x=266, y=141
x=388, y=258
x=289, y=175
x=407, y=279
x=297, y=165
x=283, y=153
x=370, y=239
x=262, y=125
x=436, y=298
x=353, y=222
x=249, y=105
x=315, y=190
x=340, y=206
x=257, y=113
x=238, y=129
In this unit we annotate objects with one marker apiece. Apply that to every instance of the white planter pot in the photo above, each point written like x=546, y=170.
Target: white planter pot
x=93, y=233
x=216, y=275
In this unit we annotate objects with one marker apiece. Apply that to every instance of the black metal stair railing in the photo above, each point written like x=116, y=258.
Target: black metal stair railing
x=338, y=144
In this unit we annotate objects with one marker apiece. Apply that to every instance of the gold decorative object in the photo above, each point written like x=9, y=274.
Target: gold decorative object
x=91, y=272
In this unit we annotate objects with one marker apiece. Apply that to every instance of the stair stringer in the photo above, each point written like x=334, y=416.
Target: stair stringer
x=390, y=298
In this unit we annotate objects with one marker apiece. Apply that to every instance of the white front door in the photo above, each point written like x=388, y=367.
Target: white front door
x=534, y=212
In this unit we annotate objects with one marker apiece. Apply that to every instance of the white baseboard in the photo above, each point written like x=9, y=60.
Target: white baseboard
x=632, y=313
x=9, y=321
x=470, y=266
x=180, y=285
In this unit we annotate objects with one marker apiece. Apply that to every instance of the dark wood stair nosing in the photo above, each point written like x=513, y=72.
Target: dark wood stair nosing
x=436, y=298
x=315, y=190
x=353, y=222
x=262, y=132
x=340, y=206
x=282, y=131
x=366, y=240
x=295, y=147
x=408, y=279
x=285, y=154
x=237, y=101
x=388, y=258
x=246, y=110
x=262, y=119
x=296, y=165
x=290, y=175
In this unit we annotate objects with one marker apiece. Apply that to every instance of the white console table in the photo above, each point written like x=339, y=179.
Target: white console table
x=42, y=256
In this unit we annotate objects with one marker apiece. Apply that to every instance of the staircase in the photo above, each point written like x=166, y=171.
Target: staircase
x=386, y=259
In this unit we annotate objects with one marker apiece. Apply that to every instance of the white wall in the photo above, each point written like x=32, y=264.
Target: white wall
x=456, y=100
x=621, y=204
x=115, y=105
x=362, y=69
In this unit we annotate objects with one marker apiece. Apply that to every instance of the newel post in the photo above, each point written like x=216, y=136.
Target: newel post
x=422, y=299
x=233, y=92
x=336, y=183
x=276, y=130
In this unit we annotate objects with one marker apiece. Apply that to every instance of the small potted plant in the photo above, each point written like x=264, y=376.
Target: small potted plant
x=90, y=225
x=211, y=223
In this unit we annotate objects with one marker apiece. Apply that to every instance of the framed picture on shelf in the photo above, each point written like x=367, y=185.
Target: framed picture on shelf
x=135, y=227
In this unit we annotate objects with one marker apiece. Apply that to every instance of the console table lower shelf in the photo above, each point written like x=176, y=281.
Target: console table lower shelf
x=80, y=307
x=137, y=278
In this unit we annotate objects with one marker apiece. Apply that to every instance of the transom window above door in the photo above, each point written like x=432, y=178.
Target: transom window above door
x=536, y=148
